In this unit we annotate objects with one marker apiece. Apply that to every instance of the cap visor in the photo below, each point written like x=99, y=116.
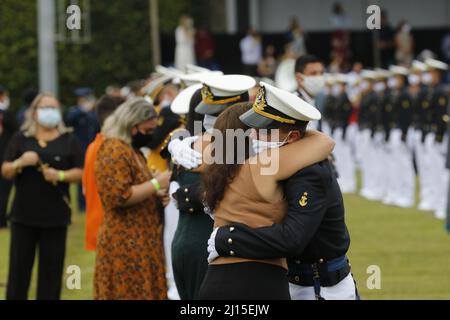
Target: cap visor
x=254, y=120
x=204, y=108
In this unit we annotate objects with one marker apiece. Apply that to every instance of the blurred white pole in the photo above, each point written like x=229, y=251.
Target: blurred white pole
x=254, y=14
x=231, y=11
x=154, y=31
x=48, y=68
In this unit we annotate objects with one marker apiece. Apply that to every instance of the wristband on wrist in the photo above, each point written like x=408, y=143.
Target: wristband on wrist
x=61, y=176
x=156, y=184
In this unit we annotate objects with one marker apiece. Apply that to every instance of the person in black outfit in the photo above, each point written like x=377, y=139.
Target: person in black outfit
x=42, y=160
x=7, y=129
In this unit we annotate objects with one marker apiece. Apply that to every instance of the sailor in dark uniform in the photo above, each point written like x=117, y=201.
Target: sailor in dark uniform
x=313, y=234
x=344, y=160
x=309, y=73
x=400, y=174
x=370, y=153
x=438, y=102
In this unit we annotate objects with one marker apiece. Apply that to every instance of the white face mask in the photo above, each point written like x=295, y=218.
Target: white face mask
x=165, y=103
x=313, y=84
x=392, y=83
x=413, y=79
x=364, y=85
x=4, y=105
x=260, y=145
x=209, y=121
x=406, y=28
x=48, y=117
x=427, y=78
x=379, y=87
x=336, y=90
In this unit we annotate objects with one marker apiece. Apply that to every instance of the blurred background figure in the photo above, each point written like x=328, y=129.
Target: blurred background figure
x=386, y=41
x=7, y=129
x=205, y=49
x=28, y=97
x=268, y=64
x=104, y=107
x=113, y=90
x=340, y=39
x=184, y=38
x=251, y=52
x=81, y=117
x=296, y=38
x=42, y=159
x=404, y=44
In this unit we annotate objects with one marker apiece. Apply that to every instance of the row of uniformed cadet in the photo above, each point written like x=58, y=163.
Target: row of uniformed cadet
x=401, y=132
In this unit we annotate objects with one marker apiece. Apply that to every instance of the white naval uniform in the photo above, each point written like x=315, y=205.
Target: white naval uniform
x=344, y=290
x=366, y=150
x=344, y=162
x=401, y=188
x=424, y=158
x=441, y=177
x=171, y=215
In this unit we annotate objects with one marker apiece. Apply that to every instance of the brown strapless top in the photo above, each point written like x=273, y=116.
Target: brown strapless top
x=242, y=203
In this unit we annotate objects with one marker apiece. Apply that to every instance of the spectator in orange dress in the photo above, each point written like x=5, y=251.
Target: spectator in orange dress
x=94, y=211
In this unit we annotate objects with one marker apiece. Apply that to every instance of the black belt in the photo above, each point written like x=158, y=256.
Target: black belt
x=329, y=273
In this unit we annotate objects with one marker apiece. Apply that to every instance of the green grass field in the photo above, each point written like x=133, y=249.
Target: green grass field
x=411, y=248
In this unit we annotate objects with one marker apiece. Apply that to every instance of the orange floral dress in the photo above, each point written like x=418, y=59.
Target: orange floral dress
x=130, y=254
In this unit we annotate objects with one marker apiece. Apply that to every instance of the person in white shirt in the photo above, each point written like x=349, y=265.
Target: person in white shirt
x=251, y=49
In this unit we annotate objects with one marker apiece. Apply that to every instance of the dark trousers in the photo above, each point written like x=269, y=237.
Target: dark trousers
x=245, y=281
x=5, y=188
x=52, y=246
x=81, y=199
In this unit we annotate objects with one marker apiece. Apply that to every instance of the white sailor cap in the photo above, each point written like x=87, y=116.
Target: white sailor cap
x=199, y=77
x=399, y=70
x=330, y=78
x=369, y=74
x=382, y=73
x=341, y=78
x=274, y=105
x=219, y=92
x=419, y=66
x=191, y=68
x=436, y=64
x=180, y=105
x=156, y=85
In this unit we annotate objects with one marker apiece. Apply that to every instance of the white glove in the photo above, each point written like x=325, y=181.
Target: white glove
x=213, y=254
x=183, y=154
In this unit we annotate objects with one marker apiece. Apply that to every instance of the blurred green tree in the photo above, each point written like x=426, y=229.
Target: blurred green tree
x=119, y=50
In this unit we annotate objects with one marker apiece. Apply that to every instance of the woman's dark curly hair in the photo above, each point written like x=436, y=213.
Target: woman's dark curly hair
x=216, y=176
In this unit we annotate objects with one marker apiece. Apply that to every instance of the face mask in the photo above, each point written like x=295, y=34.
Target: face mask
x=209, y=121
x=364, y=85
x=406, y=28
x=165, y=103
x=336, y=90
x=413, y=79
x=313, y=84
x=48, y=117
x=4, y=105
x=379, y=87
x=260, y=145
x=140, y=140
x=427, y=78
x=392, y=83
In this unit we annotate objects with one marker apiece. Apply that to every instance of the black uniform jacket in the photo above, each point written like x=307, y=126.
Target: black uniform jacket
x=314, y=227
